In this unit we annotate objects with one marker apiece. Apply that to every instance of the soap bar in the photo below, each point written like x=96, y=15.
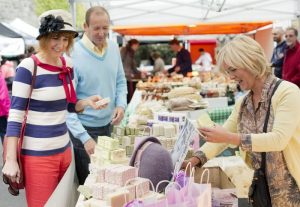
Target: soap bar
x=156, y=130
x=205, y=121
x=120, y=131
x=142, y=186
x=98, y=190
x=129, y=150
x=118, y=155
x=122, y=174
x=118, y=198
x=85, y=191
x=97, y=203
x=111, y=144
x=126, y=141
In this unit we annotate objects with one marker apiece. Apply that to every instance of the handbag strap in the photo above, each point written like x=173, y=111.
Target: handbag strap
x=26, y=109
x=263, y=154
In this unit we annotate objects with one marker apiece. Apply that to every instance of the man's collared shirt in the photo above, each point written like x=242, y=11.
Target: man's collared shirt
x=90, y=45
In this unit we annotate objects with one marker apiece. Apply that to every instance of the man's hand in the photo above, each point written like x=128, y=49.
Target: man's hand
x=117, y=116
x=89, y=146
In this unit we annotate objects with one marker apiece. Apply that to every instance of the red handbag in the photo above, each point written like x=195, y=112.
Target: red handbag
x=14, y=186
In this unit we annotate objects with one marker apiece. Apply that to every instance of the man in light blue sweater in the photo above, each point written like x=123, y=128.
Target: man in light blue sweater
x=98, y=70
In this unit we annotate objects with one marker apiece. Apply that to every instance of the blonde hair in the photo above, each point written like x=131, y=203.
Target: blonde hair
x=244, y=53
x=44, y=40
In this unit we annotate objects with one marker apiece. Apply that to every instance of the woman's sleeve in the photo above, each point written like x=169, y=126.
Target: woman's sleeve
x=286, y=121
x=210, y=150
x=20, y=93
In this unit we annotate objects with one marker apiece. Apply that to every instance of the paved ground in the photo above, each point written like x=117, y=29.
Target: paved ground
x=7, y=200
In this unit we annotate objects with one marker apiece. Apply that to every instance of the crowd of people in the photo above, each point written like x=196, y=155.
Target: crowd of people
x=60, y=86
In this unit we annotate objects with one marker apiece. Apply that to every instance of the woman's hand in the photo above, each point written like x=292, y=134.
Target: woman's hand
x=11, y=170
x=193, y=160
x=218, y=134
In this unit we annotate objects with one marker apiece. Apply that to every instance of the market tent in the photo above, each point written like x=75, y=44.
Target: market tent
x=188, y=12
x=7, y=32
x=27, y=31
x=11, y=42
x=204, y=28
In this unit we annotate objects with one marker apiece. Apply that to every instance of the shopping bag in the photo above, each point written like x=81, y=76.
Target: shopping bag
x=152, y=199
x=223, y=190
x=65, y=194
x=197, y=195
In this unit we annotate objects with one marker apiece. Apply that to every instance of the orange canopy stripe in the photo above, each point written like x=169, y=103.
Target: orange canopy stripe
x=198, y=29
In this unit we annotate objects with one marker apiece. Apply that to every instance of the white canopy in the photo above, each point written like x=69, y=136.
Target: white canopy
x=155, y=12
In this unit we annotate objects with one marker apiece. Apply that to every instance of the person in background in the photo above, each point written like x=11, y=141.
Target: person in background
x=98, y=69
x=278, y=52
x=183, y=59
x=130, y=67
x=244, y=61
x=291, y=63
x=46, y=149
x=4, y=106
x=204, y=60
x=159, y=64
x=128, y=60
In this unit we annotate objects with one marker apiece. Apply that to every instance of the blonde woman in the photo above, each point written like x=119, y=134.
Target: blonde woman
x=244, y=61
x=46, y=149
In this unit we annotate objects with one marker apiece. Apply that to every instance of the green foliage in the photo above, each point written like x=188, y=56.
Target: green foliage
x=42, y=5
x=144, y=52
x=45, y=5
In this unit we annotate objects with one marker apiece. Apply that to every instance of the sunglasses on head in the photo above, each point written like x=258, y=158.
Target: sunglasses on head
x=13, y=191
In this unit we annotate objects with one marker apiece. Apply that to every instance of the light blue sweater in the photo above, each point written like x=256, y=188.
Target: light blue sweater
x=96, y=75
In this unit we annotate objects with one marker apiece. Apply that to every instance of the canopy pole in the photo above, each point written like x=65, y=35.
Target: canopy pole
x=73, y=12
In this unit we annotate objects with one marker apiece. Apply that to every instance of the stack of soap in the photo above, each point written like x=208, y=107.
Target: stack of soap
x=169, y=131
x=107, y=151
x=141, y=185
x=119, y=175
x=101, y=190
x=118, y=198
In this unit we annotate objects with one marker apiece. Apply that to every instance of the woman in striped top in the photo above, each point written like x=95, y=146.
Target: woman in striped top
x=46, y=152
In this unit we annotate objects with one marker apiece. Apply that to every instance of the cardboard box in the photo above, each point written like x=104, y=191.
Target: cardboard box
x=223, y=190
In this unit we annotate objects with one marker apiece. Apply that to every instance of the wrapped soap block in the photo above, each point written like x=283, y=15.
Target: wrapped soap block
x=109, y=188
x=169, y=131
x=98, y=172
x=108, y=175
x=136, y=131
x=205, y=121
x=126, y=141
x=132, y=139
x=101, y=141
x=85, y=191
x=111, y=144
x=155, y=130
x=118, y=155
x=142, y=186
x=127, y=130
x=123, y=174
x=97, y=203
x=120, y=131
x=98, y=190
x=151, y=197
x=102, y=152
x=118, y=198
x=161, y=130
x=129, y=150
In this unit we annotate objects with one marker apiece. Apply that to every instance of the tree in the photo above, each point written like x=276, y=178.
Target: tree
x=42, y=6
